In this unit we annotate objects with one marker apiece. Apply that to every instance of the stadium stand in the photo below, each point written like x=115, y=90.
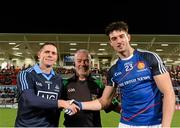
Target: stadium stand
x=8, y=83
x=97, y=44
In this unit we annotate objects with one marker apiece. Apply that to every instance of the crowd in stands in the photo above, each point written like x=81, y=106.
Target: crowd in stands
x=8, y=78
x=8, y=92
x=175, y=75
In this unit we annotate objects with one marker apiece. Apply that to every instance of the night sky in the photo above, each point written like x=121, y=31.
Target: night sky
x=72, y=17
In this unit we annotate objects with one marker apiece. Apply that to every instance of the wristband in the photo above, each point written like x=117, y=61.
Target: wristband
x=79, y=104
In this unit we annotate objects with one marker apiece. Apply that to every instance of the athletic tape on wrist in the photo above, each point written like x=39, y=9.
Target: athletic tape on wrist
x=68, y=111
x=79, y=104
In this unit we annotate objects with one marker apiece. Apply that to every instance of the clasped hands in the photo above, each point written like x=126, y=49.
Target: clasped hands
x=70, y=107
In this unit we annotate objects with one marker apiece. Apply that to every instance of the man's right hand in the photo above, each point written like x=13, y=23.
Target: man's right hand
x=69, y=107
x=73, y=102
x=79, y=104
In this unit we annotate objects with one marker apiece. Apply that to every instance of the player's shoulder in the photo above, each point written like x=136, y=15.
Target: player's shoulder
x=26, y=71
x=67, y=80
x=146, y=53
x=113, y=67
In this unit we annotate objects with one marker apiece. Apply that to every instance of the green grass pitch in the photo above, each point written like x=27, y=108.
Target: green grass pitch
x=7, y=118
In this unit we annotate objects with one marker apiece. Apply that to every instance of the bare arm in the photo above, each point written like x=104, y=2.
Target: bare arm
x=102, y=102
x=69, y=108
x=164, y=84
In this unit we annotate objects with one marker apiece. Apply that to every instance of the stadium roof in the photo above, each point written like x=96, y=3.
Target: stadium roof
x=26, y=45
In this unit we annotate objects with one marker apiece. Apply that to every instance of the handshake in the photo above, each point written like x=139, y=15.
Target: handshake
x=69, y=111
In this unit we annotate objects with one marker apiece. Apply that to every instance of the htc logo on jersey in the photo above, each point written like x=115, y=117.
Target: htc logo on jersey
x=48, y=95
x=71, y=90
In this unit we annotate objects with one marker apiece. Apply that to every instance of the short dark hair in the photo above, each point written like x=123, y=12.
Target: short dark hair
x=47, y=43
x=119, y=25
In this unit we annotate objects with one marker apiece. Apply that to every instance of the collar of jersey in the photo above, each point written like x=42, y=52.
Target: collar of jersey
x=76, y=78
x=39, y=71
x=128, y=58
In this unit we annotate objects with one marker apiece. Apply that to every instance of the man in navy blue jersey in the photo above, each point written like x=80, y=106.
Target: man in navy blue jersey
x=39, y=92
x=147, y=95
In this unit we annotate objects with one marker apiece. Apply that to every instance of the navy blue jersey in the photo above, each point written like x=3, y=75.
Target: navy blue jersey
x=37, y=98
x=140, y=97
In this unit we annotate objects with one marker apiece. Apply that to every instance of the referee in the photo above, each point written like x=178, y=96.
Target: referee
x=82, y=87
